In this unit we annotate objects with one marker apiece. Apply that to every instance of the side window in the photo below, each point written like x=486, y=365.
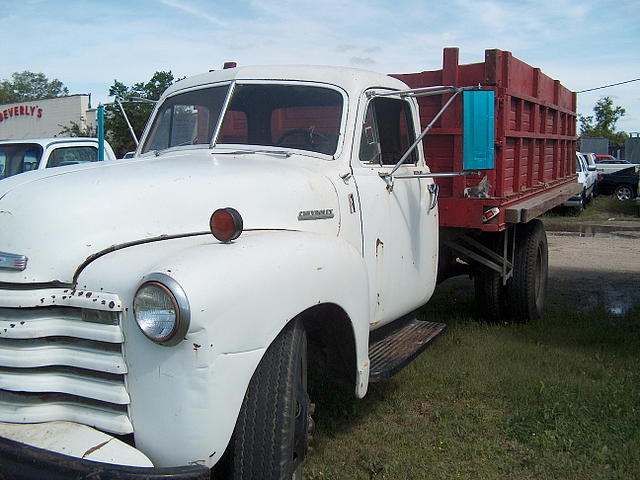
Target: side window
x=17, y=158
x=72, y=155
x=370, y=142
x=387, y=132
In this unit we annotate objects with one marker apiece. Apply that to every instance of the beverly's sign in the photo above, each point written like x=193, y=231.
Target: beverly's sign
x=20, y=111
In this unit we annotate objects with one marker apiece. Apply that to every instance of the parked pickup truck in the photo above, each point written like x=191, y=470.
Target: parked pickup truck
x=19, y=156
x=158, y=314
x=607, y=164
x=589, y=179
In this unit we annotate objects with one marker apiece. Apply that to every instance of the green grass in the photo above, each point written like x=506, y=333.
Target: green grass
x=602, y=208
x=555, y=399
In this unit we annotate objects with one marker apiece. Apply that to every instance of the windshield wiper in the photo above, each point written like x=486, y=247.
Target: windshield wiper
x=162, y=150
x=281, y=153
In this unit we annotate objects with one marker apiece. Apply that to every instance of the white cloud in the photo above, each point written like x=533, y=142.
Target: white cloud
x=191, y=9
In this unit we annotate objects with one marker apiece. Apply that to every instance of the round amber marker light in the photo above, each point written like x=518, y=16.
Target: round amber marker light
x=226, y=224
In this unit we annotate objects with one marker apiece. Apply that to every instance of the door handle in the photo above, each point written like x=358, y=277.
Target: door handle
x=434, y=191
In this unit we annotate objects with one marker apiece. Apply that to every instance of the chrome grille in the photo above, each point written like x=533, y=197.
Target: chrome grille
x=63, y=363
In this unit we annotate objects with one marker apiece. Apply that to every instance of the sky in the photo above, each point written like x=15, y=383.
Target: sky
x=89, y=44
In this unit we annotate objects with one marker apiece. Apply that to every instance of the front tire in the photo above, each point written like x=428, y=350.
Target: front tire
x=526, y=290
x=270, y=438
x=584, y=200
x=624, y=192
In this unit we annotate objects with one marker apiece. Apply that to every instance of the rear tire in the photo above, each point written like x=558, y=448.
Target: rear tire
x=270, y=438
x=526, y=290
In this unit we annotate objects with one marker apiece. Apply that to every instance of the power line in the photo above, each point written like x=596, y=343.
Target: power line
x=607, y=86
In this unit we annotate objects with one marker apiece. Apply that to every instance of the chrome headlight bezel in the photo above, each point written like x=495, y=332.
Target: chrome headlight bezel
x=178, y=298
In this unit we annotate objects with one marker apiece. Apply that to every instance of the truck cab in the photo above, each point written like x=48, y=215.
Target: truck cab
x=264, y=223
x=19, y=156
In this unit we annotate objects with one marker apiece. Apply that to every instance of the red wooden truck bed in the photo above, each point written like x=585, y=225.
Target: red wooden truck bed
x=535, y=141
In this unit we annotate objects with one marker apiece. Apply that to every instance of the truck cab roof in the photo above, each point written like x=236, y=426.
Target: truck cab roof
x=350, y=79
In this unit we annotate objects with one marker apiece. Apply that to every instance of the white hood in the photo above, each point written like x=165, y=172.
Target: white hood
x=60, y=218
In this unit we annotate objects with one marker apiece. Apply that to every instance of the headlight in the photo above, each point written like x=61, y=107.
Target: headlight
x=161, y=309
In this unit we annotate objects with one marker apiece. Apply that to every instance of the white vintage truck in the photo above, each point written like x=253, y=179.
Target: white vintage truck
x=157, y=314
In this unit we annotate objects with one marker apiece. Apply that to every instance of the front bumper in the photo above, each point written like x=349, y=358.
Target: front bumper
x=19, y=461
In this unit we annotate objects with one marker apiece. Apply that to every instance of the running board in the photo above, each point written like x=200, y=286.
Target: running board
x=393, y=346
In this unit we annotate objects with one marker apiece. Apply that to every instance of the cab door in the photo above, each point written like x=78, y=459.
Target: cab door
x=399, y=223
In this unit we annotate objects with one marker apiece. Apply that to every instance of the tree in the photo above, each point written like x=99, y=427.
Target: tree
x=138, y=113
x=26, y=85
x=604, y=122
x=74, y=129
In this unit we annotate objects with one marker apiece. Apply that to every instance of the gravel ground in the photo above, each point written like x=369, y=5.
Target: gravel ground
x=605, y=266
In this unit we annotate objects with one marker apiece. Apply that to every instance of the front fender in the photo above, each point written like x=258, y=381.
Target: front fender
x=185, y=399
x=245, y=292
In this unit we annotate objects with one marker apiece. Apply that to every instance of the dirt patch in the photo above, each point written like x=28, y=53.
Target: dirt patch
x=587, y=267
x=596, y=268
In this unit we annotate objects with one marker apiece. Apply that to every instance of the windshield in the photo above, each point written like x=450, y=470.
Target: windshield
x=186, y=119
x=18, y=158
x=290, y=116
